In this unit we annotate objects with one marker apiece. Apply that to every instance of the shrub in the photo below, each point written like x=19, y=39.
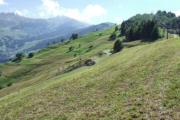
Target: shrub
x=31, y=55
x=117, y=46
x=90, y=62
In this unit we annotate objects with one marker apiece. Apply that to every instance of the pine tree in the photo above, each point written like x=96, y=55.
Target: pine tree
x=155, y=33
x=116, y=28
x=113, y=36
x=117, y=46
x=74, y=36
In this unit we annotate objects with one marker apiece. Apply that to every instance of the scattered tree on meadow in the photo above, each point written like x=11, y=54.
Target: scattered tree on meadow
x=31, y=55
x=62, y=40
x=19, y=57
x=113, y=36
x=117, y=46
x=71, y=48
x=74, y=36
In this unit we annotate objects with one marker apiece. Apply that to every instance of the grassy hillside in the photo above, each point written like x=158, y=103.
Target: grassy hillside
x=140, y=82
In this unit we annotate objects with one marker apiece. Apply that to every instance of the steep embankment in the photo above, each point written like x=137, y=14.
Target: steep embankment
x=140, y=82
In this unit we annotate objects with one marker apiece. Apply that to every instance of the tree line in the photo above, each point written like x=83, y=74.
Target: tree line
x=143, y=30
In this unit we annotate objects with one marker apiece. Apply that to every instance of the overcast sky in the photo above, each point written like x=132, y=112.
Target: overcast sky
x=91, y=11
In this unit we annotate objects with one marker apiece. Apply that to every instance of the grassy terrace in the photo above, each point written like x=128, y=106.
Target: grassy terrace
x=140, y=82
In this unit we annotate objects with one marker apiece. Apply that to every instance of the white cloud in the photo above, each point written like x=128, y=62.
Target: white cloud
x=87, y=14
x=118, y=20
x=177, y=12
x=73, y=13
x=94, y=11
x=51, y=8
x=2, y=2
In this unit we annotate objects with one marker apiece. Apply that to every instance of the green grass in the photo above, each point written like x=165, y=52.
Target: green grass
x=140, y=82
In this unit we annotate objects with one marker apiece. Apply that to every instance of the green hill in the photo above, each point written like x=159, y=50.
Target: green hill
x=140, y=82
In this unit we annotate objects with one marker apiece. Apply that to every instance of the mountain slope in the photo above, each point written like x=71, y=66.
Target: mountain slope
x=21, y=34
x=140, y=82
x=54, y=37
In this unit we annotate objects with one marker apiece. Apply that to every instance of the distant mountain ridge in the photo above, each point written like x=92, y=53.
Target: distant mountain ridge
x=18, y=33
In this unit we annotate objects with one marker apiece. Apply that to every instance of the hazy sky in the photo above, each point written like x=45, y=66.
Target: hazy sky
x=91, y=11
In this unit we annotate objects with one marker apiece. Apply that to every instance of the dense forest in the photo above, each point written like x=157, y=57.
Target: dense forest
x=147, y=26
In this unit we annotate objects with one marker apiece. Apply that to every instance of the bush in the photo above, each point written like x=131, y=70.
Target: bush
x=90, y=62
x=117, y=46
x=31, y=55
x=113, y=36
